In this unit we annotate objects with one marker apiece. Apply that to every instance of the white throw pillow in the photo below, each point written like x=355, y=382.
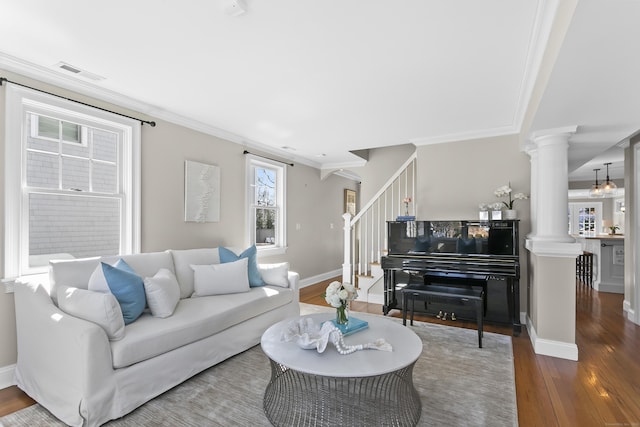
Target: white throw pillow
x=218, y=279
x=275, y=274
x=100, y=308
x=163, y=293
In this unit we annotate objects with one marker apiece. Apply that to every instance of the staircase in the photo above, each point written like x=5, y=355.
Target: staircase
x=365, y=235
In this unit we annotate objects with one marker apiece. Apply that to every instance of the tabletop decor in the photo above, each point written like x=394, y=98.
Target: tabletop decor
x=406, y=202
x=310, y=335
x=338, y=295
x=484, y=212
x=496, y=210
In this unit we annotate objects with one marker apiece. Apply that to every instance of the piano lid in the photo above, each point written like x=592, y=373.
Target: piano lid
x=453, y=237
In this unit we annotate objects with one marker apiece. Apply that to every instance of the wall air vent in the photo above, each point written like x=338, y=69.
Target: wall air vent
x=77, y=71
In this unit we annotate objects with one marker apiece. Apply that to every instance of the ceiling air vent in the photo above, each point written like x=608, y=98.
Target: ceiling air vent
x=77, y=71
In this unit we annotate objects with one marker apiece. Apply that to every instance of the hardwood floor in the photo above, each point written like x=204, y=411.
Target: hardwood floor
x=601, y=389
x=12, y=399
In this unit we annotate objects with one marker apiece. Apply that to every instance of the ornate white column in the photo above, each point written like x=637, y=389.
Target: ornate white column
x=551, y=290
x=550, y=184
x=532, y=151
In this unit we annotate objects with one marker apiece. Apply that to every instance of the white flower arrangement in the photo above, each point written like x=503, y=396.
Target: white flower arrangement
x=338, y=294
x=483, y=206
x=506, y=191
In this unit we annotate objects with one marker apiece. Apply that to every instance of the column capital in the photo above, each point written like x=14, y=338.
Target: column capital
x=548, y=150
x=553, y=134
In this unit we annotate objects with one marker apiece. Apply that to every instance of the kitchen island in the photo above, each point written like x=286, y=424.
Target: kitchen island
x=608, y=263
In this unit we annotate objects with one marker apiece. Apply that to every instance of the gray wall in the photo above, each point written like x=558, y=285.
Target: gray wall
x=454, y=178
x=315, y=247
x=383, y=162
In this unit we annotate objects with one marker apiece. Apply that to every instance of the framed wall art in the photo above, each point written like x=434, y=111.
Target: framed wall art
x=201, y=192
x=350, y=201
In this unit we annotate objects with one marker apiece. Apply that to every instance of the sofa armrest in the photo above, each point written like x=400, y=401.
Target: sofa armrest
x=62, y=360
x=294, y=284
x=294, y=280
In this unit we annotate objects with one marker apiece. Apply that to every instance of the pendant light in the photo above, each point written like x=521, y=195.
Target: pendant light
x=609, y=187
x=596, y=189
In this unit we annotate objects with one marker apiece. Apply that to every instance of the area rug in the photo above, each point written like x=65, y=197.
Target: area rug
x=459, y=385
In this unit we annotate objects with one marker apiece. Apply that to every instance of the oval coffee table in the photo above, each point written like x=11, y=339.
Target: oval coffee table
x=367, y=387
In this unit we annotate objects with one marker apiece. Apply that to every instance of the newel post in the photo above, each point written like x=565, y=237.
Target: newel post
x=346, y=265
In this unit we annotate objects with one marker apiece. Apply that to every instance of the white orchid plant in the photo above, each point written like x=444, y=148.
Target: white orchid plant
x=506, y=191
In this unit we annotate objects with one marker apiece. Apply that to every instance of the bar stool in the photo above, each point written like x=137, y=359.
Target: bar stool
x=584, y=267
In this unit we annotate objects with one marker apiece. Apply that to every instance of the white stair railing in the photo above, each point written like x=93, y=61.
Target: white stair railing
x=365, y=235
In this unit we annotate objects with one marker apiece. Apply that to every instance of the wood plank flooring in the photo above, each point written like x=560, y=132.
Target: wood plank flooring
x=601, y=389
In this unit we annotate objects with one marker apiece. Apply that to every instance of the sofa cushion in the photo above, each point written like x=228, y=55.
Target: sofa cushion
x=77, y=272
x=218, y=279
x=275, y=274
x=184, y=258
x=97, y=307
x=163, y=293
x=193, y=319
x=251, y=254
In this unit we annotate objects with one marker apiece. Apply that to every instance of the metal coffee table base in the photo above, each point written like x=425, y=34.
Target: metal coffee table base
x=295, y=398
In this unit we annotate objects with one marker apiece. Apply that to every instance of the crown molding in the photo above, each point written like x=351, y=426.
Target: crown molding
x=464, y=136
x=78, y=85
x=540, y=34
x=75, y=84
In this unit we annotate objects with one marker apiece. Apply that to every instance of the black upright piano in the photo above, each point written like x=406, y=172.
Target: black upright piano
x=478, y=253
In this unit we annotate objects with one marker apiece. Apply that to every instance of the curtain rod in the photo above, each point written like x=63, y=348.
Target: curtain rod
x=268, y=158
x=150, y=123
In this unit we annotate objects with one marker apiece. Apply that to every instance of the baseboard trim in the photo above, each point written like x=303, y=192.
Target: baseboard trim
x=7, y=378
x=319, y=278
x=631, y=315
x=559, y=349
x=613, y=288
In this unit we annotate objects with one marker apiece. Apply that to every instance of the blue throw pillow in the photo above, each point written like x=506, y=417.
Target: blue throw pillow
x=128, y=288
x=122, y=265
x=255, y=278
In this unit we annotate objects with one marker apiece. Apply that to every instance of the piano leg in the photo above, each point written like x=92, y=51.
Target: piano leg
x=513, y=287
x=480, y=319
x=389, y=291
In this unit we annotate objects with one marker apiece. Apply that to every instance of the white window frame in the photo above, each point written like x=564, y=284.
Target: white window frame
x=35, y=133
x=21, y=101
x=574, y=208
x=280, y=246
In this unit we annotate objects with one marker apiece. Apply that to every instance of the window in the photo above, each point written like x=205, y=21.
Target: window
x=72, y=182
x=56, y=130
x=266, y=204
x=584, y=218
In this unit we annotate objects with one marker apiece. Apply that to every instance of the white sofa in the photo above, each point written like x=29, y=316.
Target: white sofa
x=70, y=366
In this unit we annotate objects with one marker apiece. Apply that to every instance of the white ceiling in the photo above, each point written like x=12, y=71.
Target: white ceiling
x=595, y=84
x=328, y=77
